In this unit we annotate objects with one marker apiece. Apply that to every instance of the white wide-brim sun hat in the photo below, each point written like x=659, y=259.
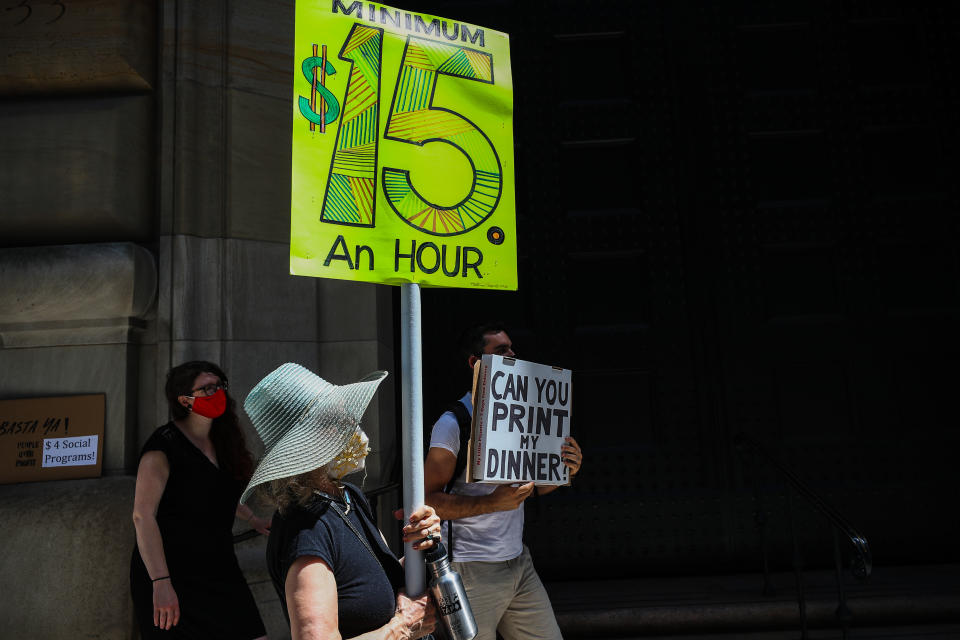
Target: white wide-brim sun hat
x=303, y=420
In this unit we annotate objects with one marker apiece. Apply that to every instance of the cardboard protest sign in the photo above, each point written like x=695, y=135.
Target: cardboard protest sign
x=402, y=148
x=51, y=438
x=522, y=413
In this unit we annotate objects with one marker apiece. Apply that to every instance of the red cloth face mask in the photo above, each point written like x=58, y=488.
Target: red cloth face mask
x=211, y=406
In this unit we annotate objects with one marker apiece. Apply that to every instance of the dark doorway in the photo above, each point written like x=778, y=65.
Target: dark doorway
x=732, y=217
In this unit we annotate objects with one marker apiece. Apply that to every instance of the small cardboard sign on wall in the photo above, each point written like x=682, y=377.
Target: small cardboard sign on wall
x=522, y=415
x=51, y=438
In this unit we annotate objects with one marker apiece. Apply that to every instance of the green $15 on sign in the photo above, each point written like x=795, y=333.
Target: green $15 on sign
x=402, y=149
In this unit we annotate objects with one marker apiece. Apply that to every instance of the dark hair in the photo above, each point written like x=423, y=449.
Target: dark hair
x=473, y=339
x=226, y=434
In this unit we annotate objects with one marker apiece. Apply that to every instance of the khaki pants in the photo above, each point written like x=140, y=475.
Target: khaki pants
x=508, y=597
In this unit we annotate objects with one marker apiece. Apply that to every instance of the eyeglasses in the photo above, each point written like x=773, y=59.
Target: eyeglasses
x=210, y=389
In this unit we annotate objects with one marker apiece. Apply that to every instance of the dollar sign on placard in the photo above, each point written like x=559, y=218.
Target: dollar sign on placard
x=329, y=106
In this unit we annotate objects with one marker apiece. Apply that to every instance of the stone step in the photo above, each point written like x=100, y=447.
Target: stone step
x=670, y=606
x=920, y=632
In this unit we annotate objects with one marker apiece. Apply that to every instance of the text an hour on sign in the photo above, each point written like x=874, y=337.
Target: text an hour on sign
x=429, y=258
x=455, y=261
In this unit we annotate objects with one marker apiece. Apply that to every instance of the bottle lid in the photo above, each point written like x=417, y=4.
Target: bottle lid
x=437, y=552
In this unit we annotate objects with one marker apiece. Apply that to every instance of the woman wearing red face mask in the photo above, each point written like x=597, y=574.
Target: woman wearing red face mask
x=184, y=576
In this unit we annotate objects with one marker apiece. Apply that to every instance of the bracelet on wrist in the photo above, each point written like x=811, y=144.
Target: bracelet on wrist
x=159, y=579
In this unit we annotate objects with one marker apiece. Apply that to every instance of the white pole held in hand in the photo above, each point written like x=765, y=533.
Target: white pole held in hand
x=411, y=389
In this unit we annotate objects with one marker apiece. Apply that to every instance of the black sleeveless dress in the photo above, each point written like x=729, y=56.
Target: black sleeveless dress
x=195, y=515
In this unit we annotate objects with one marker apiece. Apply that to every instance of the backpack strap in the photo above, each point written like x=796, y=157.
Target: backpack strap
x=463, y=421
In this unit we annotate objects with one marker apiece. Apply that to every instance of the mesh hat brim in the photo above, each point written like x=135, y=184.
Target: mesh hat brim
x=303, y=420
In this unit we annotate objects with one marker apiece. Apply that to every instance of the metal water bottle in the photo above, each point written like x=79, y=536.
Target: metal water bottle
x=445, y=586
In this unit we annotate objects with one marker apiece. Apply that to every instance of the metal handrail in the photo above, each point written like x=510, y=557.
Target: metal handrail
x=379, y=491
x=246, y=535
x=861, y=562
x=862, y=565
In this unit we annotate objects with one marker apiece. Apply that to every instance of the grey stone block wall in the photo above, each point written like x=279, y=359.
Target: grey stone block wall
x=66, y=561
x=72, y=320
x=112, y=47
x=78, y=295
x=82, y=167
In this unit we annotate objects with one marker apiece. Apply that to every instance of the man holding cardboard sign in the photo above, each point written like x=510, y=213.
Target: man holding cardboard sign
x=484, y=521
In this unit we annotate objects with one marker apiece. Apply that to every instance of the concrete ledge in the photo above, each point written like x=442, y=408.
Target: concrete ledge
x=74, y=294
x=64, y=570
x=111, y=47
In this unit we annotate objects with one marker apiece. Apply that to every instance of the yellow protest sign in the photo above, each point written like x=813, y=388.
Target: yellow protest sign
x=402, y=148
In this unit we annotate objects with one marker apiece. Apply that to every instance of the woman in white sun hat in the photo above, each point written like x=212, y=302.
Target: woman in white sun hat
x=329, y=563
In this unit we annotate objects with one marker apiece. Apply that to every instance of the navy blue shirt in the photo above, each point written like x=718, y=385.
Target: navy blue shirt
x=366, y=585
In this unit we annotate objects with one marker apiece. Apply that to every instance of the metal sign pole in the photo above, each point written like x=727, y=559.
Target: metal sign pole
x=411, y=388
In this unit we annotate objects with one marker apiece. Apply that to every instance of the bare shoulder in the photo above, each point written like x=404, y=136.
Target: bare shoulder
x=438, y=468
x=154, y=463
